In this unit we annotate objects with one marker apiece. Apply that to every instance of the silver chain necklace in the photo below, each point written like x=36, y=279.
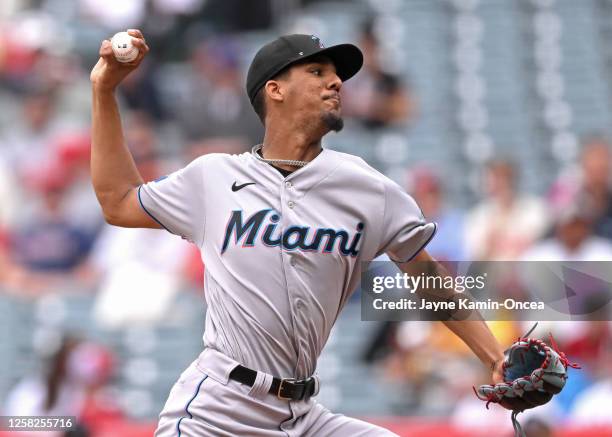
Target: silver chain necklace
x=291, y=162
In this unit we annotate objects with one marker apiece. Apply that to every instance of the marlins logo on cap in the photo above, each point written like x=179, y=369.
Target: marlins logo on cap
x=317, y=39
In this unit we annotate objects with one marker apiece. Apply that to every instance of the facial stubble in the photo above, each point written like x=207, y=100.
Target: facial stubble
x=334, y=122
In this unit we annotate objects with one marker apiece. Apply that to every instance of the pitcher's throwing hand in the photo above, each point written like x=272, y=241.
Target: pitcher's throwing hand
x=108, y=72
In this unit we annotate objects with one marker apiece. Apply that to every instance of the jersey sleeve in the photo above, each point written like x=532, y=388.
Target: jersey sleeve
x=177, y=201
x=405, y=230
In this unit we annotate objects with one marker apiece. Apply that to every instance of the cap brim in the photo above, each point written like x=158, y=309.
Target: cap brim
x=347, y=58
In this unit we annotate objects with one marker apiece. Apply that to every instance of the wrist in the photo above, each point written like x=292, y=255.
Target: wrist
x=497, y=371
x=100, y=88
x=495, y=364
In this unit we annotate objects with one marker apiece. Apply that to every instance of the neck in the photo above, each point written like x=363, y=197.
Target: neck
x=286, y=143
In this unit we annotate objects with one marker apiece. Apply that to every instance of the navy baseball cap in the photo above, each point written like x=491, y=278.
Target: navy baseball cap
x=272, y=58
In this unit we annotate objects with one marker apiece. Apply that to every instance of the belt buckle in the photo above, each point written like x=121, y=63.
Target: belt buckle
x=280, y=389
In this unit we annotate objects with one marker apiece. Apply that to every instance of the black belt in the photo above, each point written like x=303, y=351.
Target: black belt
x=287, y=389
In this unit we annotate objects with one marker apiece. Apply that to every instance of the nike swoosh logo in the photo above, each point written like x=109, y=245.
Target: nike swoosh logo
x=240, y=187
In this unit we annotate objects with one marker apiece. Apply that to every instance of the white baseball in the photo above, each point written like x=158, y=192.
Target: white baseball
x=123, y=48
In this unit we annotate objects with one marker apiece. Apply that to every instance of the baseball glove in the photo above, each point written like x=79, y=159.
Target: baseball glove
x=533, y=373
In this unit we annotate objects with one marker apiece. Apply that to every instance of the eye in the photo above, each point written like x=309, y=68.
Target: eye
x=316, y=71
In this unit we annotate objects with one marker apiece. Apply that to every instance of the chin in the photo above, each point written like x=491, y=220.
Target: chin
x=333, y=121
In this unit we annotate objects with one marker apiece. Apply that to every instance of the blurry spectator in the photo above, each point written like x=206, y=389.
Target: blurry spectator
x=141, y=137
x=592, y=407
x=30, y=42
x=140, y=90
x=56, y=225
x=154, y=262
x=376, y=97
x=92, y=365
x=505, y=223
x=596, y=167
x=140, y=274
x=48, y=241
x=7, y=8
x=52, y=393
x=592, y=346
x=210, y=103
x=573, y=238
x=421, y=354
x=426, y=188
x=25, y=146
x=71, y=151
x=586, y=343
x=114, y=14
x=590, y=181
x=72, y=384
x=238, y=15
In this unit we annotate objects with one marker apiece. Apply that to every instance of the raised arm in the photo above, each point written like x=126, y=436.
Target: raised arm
x=475, y=333
x=114, y=174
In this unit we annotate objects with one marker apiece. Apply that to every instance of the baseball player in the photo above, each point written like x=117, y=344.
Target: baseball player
x=282, y=230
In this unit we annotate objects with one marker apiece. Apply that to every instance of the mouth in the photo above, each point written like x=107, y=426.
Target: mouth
x=334, y=98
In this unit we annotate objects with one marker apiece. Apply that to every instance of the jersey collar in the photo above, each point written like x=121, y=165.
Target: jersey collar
x=309, y=175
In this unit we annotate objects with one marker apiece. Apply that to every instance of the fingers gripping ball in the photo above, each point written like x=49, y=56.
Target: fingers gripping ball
x=123, y=48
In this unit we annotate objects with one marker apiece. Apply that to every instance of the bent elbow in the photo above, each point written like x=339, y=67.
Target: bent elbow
x=114, y=208
x=126, y=212
x=111, y=218
x=112, y=215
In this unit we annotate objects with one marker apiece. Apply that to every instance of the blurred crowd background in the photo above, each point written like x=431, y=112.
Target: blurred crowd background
x=494, y=114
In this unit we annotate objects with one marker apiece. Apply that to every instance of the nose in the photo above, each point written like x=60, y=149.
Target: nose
x=335, y=83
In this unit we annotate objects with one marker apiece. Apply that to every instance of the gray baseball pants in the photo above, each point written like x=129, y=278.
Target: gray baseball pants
x=205, y=402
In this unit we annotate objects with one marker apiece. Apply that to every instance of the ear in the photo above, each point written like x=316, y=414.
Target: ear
x=275, y=90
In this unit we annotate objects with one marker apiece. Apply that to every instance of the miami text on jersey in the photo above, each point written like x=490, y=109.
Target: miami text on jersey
x=293, y=238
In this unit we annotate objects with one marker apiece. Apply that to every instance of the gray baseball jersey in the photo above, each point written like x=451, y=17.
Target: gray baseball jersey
x=283, y=254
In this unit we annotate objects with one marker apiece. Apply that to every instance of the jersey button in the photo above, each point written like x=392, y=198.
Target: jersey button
x=288, y=184
x=293, y=262
x=291, y=204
